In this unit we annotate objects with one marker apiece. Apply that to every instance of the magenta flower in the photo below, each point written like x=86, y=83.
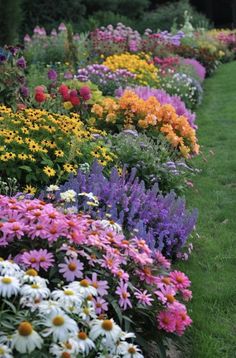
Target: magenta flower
x=101, y=286
x=180, y=280
x=124, y=300
x=71, y=269
x=166, y=294
x=52, y=75
x=37, y=259
x=161, y=260
x=166, y=321
x=21, y=63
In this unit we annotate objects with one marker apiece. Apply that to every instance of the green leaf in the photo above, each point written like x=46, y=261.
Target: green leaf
x=26, y=168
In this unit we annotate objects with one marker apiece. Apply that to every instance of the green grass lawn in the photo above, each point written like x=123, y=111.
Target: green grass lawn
x=212, y=266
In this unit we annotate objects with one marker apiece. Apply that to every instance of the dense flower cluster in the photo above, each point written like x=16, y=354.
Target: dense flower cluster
x=106, y=80
x=36, y=145
x=146, y=72
x=74, y=245
x=162, y=221
x=130, y=111
x=55, y=322
x=198, y=67
x=164, y=98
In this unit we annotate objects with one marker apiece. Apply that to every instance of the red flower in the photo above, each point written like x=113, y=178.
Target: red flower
x=40, y=97
x=75, y=100
x=63, y=90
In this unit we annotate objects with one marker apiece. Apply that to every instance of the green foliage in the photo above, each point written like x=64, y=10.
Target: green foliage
x=172, y=13
x=10, y=20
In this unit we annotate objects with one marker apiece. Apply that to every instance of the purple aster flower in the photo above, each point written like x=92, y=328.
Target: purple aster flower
x=101, y=305
x=71, y=269
x=24, y=91
x=52, y=75
x=122, y=291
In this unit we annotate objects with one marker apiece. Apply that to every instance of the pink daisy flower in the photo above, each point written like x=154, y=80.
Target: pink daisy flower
x=101, y=305
x=143, y=297
x=180, y=280
x=124, y=300
x=101, y=286
x=71, y=269
x=186, y=294
x=161, y=260
x=37, y=259
x=166, y=294
x=166, y=321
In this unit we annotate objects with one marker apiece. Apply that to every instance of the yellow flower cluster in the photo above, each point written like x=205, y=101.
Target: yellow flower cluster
x=132, y=112
x=36, y=145
x=146, y=73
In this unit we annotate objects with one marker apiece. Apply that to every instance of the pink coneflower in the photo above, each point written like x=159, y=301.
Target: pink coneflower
x=71, y=269
x=55, y=230
x=180, y=280
x=101, y=305
x=101, y=286
x=161, y=260
x=143, y=297
x=124, y=300
x=186, y=294
x=166, y=294
x=146, y=275
x=110, y=261
x=13, y=229
x=37, y=259
x=166, y=321
x=163, y=281
x=121, y=274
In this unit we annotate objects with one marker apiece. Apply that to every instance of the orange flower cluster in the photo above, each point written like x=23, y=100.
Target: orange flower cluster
x=132, y=112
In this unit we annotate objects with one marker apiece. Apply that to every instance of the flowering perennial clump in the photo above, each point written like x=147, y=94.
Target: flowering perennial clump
x=89, y=255
x=36, y=145
x=130, y=112
x=146, y=73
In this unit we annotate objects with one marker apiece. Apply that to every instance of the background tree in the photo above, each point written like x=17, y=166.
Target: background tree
x=10, y=20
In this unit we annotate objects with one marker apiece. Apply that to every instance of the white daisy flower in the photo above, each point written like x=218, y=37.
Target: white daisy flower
x=70, y=347
x=60, y=326
x=110, y=224
x=35, y=290
x=26, y=339
x=129, y=350
x=9, y=286
x=52, y=187
x=85, y=344
x=106, y=328
x=9, y=268
x=88, y=311
x=83, y=287
x=5, y=351
x=47, y=307
x=31, y=276
x=67, y=296
x=30, y=302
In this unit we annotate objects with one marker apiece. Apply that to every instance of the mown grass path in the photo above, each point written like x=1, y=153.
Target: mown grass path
x=212, y=266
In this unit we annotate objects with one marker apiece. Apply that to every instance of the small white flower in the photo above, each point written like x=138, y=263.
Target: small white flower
x=129, y=350
x=67, y=296
x=5, y=351
x=70, y=346
x=8, y=268
x=106, y=328
x=85, y=344
x=88, y=311
x=83, y=287
x=68, y=196
x=51, y=188
x=60, y=326
x=25, y=339
x=36, y=290
x=47, y=307
x=9, y=286
x=110, y=224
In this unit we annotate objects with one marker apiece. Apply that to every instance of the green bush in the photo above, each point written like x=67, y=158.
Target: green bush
x=172, y=13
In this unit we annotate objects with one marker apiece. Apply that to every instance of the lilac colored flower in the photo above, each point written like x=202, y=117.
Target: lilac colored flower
x=68, y=75
x=162, y=221
x=21, y=63
x=37, y=259
x=27, y=38
x=101, y=305
x=52, y=75
x=143, y=297
x=198, y=67
x=122, y=291
x=24, y=91
x=54, y=33
x=71, y=269
x=62, y=27
x=101, y=286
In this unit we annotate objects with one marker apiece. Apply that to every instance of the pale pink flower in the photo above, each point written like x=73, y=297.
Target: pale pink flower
x=161, y=260
x=101, y=286
x=101, y=305
x=143, y=297
x=122, y=291
x=71, y=269
x=166, y=294
x=37, y=259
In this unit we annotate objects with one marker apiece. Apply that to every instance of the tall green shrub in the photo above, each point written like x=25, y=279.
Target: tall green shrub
x=10, y=21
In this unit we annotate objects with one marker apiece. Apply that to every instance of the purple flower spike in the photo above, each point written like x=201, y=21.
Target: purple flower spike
x=52, y=75
x=21, y=63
